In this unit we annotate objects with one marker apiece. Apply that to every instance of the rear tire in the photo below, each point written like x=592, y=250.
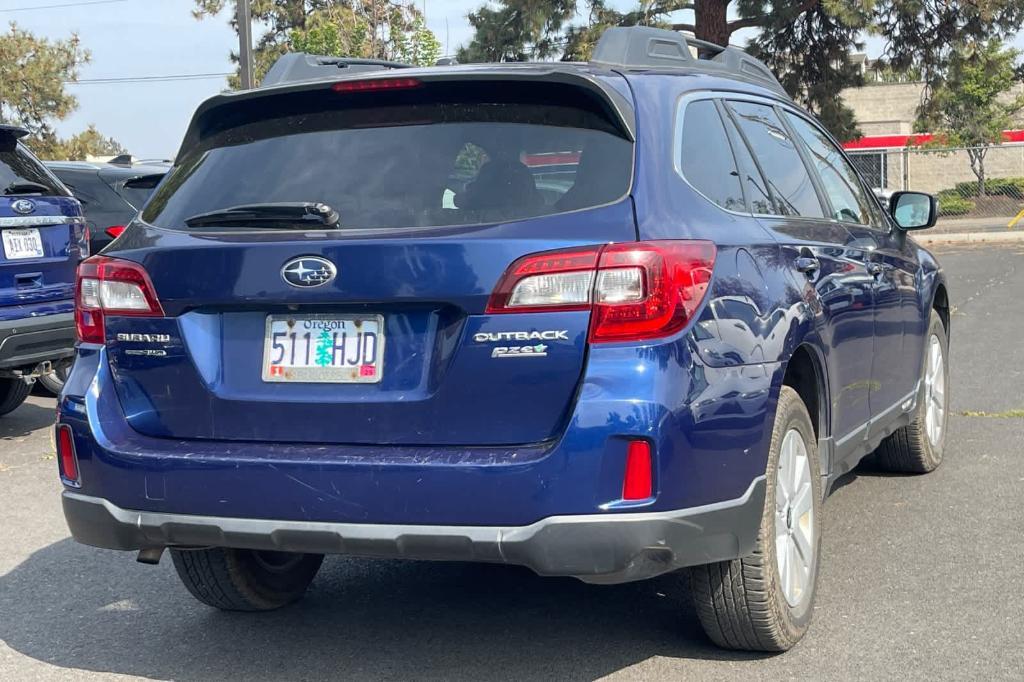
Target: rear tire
x=759, y=602
x=917, y=448
x=12, y=394
x=245, y=579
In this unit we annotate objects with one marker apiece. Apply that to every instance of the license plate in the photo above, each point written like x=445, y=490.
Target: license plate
x=20, y=244
x=339, y=349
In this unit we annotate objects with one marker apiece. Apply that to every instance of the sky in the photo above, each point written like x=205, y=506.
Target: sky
x=141, y=38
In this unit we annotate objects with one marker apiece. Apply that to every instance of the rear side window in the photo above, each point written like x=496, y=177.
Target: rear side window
x=21, y=173
x=705, y=157
x=428, y=160
x=137, y=190
x=792, y=190
x=850, y=203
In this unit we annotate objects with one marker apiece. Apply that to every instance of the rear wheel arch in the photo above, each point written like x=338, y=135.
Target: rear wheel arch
x=805, y=374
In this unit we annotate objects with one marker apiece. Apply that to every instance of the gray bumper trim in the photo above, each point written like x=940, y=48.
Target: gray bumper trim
x=34, y=339
x=597, y=548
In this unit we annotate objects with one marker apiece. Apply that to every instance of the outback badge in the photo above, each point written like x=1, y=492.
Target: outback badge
x=528, y=350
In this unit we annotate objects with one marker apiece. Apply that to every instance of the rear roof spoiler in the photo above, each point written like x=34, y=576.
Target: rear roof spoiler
x=17, y=132
x=231, y=104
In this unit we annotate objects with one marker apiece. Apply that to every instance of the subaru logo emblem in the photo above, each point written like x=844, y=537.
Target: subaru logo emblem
x=23, y=206
x=308, y=271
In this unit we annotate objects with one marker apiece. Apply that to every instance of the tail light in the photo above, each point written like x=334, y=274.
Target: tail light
x=110, y=286
x=67, y=459
x=84, y=243
x=114, y=231
x=636, y=291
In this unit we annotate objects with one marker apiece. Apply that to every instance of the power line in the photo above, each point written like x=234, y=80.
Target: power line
x=148, y=79
x=63, y=5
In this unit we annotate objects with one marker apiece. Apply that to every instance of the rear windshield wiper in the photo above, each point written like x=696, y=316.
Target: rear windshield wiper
x=291, y=215
x=25, y=187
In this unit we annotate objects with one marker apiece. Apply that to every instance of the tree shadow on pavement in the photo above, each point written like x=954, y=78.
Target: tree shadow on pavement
x=97, y=610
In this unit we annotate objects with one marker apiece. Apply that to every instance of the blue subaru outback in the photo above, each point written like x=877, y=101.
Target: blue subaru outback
x=43, y=239
x=604, y=320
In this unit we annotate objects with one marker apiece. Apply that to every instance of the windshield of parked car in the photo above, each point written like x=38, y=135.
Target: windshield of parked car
x=21, y=173
x=434, y=164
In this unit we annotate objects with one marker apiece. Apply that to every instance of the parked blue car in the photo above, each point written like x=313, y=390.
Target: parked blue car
x=44, y=237
x=351, y=322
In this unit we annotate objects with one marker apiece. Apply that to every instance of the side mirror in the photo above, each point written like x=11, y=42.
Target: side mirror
x=914, y=210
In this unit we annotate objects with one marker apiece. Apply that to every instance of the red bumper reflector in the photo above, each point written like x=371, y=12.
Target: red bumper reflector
x=66, y=458
x=638, y=481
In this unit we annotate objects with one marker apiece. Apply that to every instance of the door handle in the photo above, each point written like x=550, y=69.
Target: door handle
x=808, y=264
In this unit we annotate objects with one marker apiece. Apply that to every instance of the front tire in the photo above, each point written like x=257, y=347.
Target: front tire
x=917, y=448
x=13, y=393
x=763, y=602
x=245, y=579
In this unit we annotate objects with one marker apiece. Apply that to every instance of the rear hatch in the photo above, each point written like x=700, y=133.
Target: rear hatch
x=373, y=330
x=41, y=231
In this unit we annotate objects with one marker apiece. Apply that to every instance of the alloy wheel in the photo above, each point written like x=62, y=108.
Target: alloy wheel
x=935, y=393
x=794, y=519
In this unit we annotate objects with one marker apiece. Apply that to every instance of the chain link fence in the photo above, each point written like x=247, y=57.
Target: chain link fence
x=965, y=201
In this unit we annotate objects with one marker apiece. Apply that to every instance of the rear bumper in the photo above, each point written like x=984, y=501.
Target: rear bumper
x=36, y=339
x=596, y=548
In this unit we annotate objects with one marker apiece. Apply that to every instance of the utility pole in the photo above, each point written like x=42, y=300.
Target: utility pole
x=245, y=43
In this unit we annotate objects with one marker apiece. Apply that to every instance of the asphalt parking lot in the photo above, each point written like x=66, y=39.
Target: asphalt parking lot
x=921, y=576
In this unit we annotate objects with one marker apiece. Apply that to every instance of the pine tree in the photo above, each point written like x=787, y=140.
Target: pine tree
x=33, y=75
x=324, y=349
x=806, y=43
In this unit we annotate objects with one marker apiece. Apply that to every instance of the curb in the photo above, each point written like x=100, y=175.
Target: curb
x=972, y=237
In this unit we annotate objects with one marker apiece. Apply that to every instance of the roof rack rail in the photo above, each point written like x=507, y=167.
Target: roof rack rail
x=643, y=47
x=300, y=66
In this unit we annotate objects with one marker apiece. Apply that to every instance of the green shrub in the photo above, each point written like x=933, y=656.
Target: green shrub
x=1008, y=187
x=952, y=203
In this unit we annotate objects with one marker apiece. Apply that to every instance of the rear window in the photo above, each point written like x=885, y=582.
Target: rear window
x=428, y=161
x=19, y=167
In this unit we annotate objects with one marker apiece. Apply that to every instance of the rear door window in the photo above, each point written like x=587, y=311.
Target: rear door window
x=793, y=191
x=18, y=168
x=417, y=164
x=704, y=156
x=850, y=203
x=753, y=182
